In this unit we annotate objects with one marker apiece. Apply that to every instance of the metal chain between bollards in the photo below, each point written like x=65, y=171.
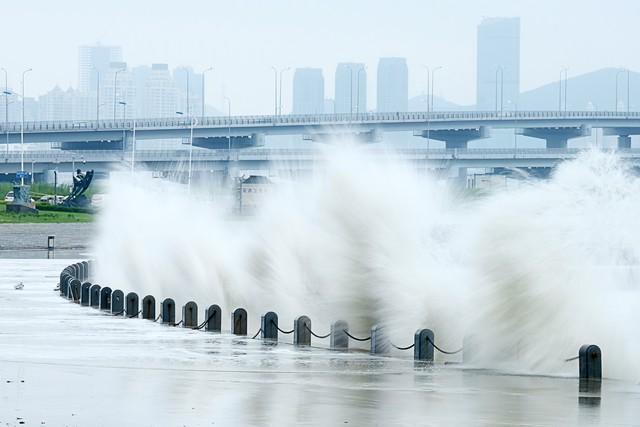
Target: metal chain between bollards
x=572, y=358
x=158, y=318
x=355, y=338
x=135, y=315
x=409, y=347
x=257, y=333
x=202, y=325
x=118, y=314
x=316, y=335
x=178, y=324
x=278, y=328
x=443, y=351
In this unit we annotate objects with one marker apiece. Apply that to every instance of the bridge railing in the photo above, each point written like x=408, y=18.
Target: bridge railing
x=55, y=156
x=311, y=119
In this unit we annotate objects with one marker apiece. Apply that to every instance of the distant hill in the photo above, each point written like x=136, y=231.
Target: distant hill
x=419, y=103
x=591, y=91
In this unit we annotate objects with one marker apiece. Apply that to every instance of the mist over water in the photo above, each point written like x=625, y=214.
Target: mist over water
x=531, y=273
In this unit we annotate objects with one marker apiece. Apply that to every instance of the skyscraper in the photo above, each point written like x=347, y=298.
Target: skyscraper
x=308, y=91
x=393, y=86
x=498, y=64
x=94, y=59
x=160, y=93
x=351, y=88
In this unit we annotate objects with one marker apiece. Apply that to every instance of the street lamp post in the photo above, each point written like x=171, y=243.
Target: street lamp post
x=22, y=131
x=563, y=72
x=433, y=78
x=6, y=108
x=115, y=89
x=229, y=123
x=203, y=92
x=500, y=71
x=623, y=70
x=275, y=90
x=194, y=121
x=358, y=89
x=97, y=95
x=280, y=90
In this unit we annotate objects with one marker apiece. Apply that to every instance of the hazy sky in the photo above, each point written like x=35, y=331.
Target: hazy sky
x=241, y=39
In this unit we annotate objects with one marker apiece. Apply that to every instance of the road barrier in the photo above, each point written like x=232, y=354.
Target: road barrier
x=74, y=285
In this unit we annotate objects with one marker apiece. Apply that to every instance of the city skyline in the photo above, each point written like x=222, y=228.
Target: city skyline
x=433, y=34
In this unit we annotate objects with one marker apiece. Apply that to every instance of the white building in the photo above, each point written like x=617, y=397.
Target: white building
x=57, y=104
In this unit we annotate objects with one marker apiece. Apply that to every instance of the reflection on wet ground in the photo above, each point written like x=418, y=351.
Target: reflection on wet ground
x=62, y=364
x=29, y=241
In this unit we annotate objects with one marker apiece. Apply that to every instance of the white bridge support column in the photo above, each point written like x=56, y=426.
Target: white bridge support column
x=455, y=138
x=557, y=137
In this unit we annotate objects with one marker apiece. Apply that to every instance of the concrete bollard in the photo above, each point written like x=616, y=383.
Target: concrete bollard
x=132, y=305
x=239, y=321
x=213, y=317
x=423, y=345
x=590, y=358
x=85, y=269
x=80, y=275
x=339, y=339
x=74, y=290
x=117, y=302
x=51, y=242
x=94, y=296
x=105, y=298
x=149, y=308
x=269, y=325
x=301, y=331
x=84, y=293
x=168, y=311
x=64, y=284
x=379, y=342
x=190, y=315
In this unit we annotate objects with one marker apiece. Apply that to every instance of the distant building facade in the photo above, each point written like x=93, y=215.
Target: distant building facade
x=93, y=60
x=498, y=59
x=161, y=97
x=308, y=91
x=393, y=85
x=350, y=88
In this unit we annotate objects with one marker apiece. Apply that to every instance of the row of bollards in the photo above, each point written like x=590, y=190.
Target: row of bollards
x=74, y=286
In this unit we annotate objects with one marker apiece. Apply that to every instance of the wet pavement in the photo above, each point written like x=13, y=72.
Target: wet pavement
x=23, y=241
x=63, y=364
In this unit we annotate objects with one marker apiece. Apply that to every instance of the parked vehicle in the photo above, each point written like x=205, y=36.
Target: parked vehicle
x=9, y=197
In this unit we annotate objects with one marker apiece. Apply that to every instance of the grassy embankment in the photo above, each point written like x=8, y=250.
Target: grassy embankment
x=47, y=213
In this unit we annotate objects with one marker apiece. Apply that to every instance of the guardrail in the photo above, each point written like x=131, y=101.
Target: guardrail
x=202, y=154
x=309, y=120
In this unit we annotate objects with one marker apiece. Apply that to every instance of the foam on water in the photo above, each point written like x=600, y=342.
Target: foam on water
x=532, y=273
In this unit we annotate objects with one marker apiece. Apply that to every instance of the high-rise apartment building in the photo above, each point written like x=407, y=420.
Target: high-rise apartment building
x=308, y=91
x=93, y=60
x=350, y=88
x=393, y=85
x=161, y=97
x=498, y=64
